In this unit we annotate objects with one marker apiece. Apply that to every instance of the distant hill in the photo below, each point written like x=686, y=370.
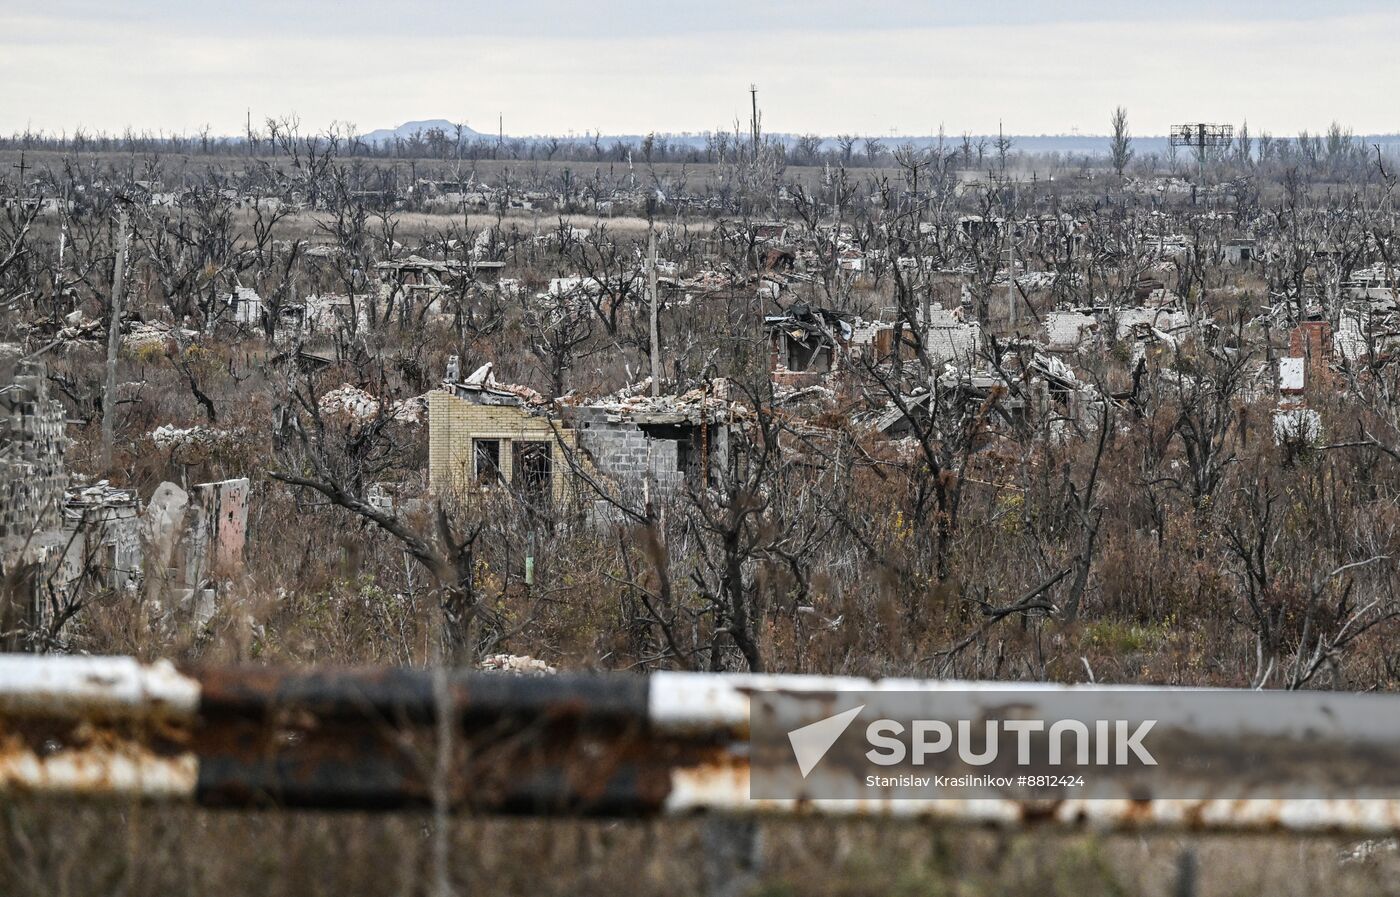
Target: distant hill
x=410, y=128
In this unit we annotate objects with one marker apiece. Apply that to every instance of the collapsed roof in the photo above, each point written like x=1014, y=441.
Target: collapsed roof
x=482, y=386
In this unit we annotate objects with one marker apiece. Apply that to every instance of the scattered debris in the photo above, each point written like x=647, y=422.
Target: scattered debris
x=169, y=437
x=516, y=663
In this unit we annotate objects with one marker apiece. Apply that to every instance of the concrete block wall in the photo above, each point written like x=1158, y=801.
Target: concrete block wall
x=33, y=476
x=624, y=452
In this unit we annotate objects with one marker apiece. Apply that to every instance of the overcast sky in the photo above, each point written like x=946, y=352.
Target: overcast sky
x=630, y=66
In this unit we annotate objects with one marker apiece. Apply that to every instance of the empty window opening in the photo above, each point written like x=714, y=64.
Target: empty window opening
x=533, y=469
x=486, y=455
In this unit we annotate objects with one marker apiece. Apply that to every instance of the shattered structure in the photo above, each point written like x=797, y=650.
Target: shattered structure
x=33, y=477
x=60, y=539
x=805, y=341
x=102, y=536
x=484, y=434
x=192, y=540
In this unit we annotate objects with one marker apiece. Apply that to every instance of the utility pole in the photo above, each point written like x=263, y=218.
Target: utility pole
x=114, y=337
x=62, y=246
x=753, y=97
x=1011, y=272
x=22, y=169
x=655, y=338
x=1009, y=200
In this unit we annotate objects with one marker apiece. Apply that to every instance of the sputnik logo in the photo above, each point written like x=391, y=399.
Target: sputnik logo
x=811, y=742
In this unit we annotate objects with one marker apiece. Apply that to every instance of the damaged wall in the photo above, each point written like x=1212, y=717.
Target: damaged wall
x=613, y=447
x=625, y=452
x=454, y=423
x=33, y=480
x=32, y=472
x=220, y=529
x=102, y=536
x=193, y=539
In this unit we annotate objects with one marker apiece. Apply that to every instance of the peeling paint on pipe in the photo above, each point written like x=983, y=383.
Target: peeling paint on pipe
x=665, y=744
x=93, y=685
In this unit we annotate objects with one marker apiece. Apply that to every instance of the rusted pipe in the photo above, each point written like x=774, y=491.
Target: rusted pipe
x=589, y=744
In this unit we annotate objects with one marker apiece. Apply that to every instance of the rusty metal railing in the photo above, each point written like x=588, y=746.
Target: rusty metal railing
x=588, y=744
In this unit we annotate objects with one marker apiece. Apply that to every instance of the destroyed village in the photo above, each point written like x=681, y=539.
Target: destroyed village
x=1119, y=412
x=838, y=407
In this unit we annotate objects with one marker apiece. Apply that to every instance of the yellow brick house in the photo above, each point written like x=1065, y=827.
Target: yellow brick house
x=484, y=434
x=473, y=445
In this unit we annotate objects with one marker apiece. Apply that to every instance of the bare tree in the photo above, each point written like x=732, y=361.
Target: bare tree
x=1120, y=145
x=338, y=460
x=560, y=325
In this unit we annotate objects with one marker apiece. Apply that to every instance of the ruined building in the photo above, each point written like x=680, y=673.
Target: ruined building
x=483, y=434
x=60, y=540
x=33, y=477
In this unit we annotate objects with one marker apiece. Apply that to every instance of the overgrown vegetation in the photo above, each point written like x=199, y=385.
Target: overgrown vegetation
x=1144, y=524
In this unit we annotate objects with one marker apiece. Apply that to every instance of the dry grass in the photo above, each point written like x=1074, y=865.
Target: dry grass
x=55, y=850
x=426, y=226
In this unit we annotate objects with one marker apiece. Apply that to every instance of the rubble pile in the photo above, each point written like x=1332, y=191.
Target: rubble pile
x=140, y=334
x=483, y=383
x=516, y=663
x=710, y=400
x=169, y=437
x=81, y=500
x=73, y=328
x=349, y=401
